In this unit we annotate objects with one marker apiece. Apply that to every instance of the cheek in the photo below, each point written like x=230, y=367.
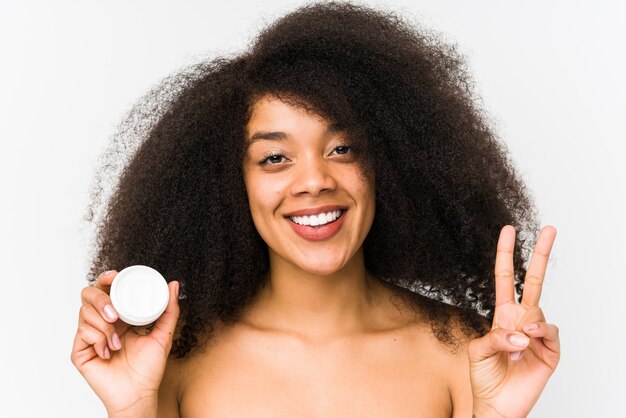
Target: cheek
x=366, y=194
x=264, y=197
x=364, y=189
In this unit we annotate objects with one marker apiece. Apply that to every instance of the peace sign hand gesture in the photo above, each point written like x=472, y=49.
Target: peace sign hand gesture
x=510, y=366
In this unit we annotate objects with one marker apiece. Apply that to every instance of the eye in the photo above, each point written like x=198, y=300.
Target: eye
x=272, y=158
x=343, y=149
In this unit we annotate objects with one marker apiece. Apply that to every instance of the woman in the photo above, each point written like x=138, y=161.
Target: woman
x=327, y=207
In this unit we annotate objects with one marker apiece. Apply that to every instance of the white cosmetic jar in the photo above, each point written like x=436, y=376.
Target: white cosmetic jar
x=139, y=294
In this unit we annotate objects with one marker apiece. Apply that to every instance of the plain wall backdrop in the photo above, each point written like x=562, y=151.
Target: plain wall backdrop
x=551, y=74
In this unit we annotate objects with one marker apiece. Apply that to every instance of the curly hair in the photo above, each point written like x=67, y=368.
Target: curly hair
x=444, y=184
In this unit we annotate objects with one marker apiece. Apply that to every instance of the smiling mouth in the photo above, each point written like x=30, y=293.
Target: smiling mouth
x=318, y=220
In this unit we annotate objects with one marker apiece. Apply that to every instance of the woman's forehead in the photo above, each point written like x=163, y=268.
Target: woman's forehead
x=271, y=118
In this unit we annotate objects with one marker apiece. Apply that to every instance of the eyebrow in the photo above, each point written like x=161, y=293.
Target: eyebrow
x=282, y=136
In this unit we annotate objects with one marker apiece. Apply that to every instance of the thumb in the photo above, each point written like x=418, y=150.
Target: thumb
x=496, y=341
x=163, y=331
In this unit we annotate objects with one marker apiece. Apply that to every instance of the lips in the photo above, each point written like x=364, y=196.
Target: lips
x=317, y=232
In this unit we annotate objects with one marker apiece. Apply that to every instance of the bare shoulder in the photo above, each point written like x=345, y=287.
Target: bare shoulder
x=182, y=373
x=445, y=343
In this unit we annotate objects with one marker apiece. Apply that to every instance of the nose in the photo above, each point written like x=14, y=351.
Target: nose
x=313, y=176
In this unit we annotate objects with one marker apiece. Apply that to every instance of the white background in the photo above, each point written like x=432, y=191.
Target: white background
x=551, y=74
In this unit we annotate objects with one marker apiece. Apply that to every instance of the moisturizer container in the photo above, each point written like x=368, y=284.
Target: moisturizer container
x=139, y=295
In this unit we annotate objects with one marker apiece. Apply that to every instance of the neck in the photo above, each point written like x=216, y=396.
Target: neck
x=314, y=306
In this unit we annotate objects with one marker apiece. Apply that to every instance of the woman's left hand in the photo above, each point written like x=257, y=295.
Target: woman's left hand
x=510, y=366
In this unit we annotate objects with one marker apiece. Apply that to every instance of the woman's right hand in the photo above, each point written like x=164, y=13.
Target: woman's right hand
x=123, y=367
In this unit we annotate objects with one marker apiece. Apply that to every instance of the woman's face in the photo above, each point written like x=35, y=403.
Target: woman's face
x=309, y=199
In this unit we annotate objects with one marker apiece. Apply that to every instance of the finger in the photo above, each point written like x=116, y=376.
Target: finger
x=549, y=333
x=496, y=341
x=533, y=282
x=504, y=269
x=104, y=280
x=532, y=315
x=90, y=316
x=101, y=301
x=89, y=336
x=81, y=352
x=166, y=325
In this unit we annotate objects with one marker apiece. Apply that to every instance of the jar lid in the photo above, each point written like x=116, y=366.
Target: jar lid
x=139, y=295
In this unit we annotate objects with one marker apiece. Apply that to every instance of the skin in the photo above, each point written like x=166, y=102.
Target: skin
x=323, y=337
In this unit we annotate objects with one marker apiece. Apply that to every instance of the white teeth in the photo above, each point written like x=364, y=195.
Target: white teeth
x=316, y=220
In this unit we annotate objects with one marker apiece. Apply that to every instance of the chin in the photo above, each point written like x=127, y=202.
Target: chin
x=322, y=268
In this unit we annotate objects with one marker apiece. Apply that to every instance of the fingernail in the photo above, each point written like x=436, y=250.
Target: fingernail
x=519, y=340
x=109, y=312
x=516, y=355
x=117, y=344
x=108, y=272
x=530, y=327
x=177, y=290
x=107, y=354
